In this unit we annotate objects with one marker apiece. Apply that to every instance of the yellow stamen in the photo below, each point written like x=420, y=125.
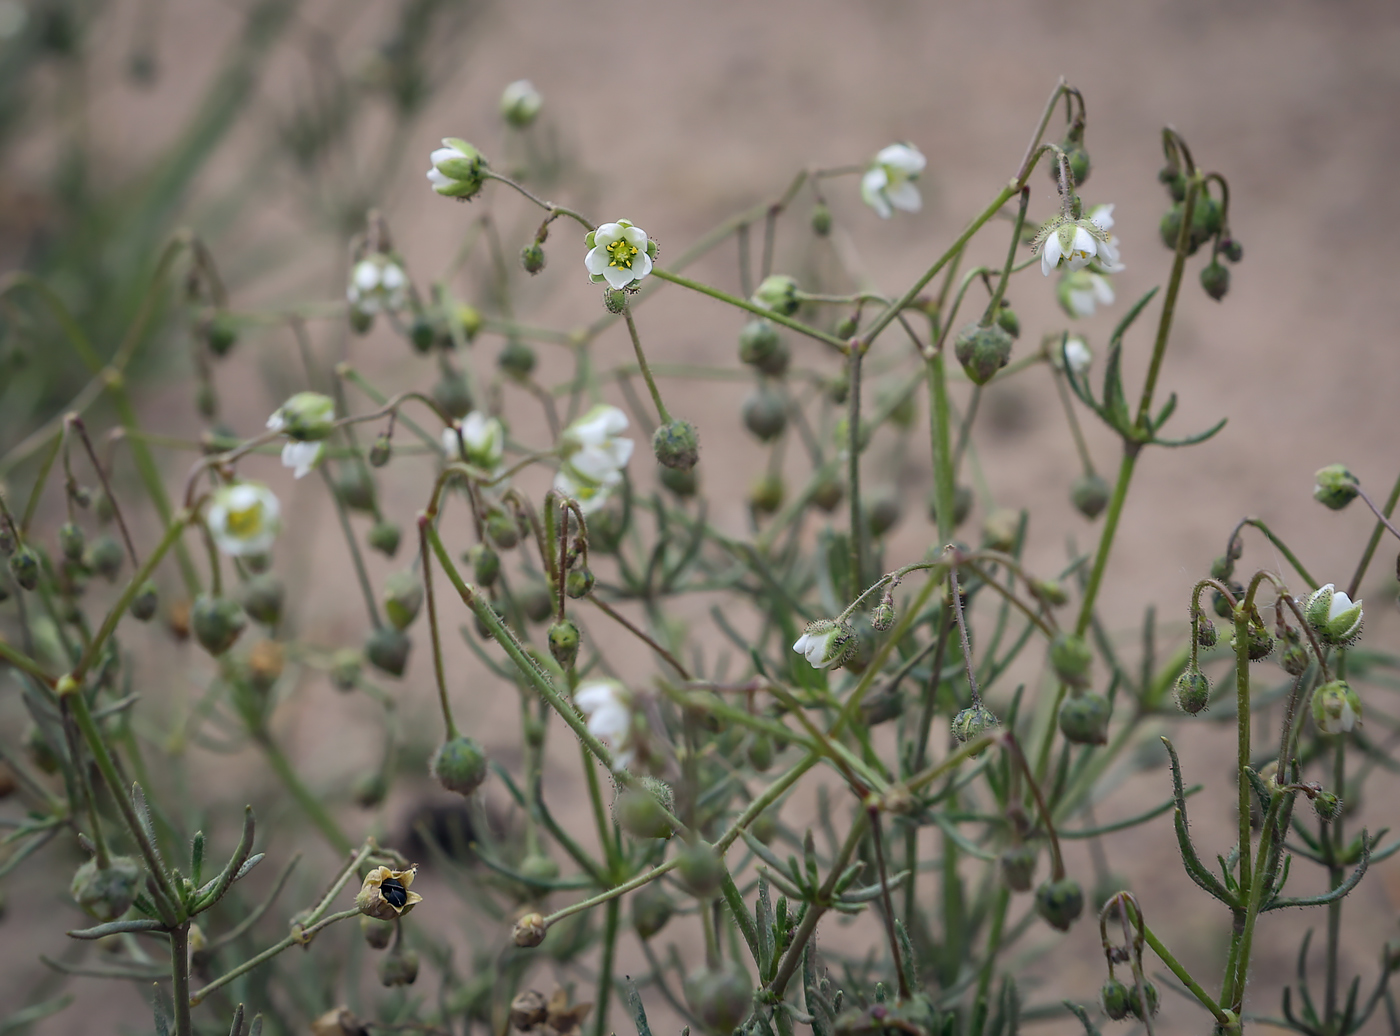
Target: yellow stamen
x=621, y=253
x=246, y=522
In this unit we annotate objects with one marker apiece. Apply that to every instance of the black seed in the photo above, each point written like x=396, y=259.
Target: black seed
x=394, y=893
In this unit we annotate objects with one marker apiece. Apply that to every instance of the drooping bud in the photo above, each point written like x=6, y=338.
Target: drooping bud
x=1327, y=805
x=760, y=752
x=535, y=600
x=1000, y=528
x=217, y=622
x=106, y=893
x=765, y=414
x=1215, y=279
x=387, y=650
x=762, y=347
x=529, y=931
x=676, y=445
x=651, y=909
x=1060, y=902
x=486, y=564
x=1334, y=486
x=376, y=933
x=403, y=597
x=579, y=583
x=1206, y=635
x=24, y=566
x=355, y=488
x=641, y=812
x=452, y=394
x=1336, y=709
x=883, y=514
x=821, y=219
x=1294, y=658
x=720, y=997
x=683, y=483
x=306, y=417
x=399, y=968
x=563, y=643
x=502, y=529
x=220, y=332
x=143, y=605
x=1089, y=494
x=614, y=300
x=766, y=494
x=1192, y=691
x=982, y=351
x=369, y=789
x=1049, y=592
x=828, y=493
x=345, y=669
x=882, y=618
x=1018, y=866
x=1114, y=997
x=262, y=598
x=384, y=537
x=1084, y=719
x=1008, y=321
x=457, y=170
x=1071, y=657
x=1259, y=642
x=71, y=541
x=778, y=292
x=827, y=644
x=1135, y=1002
x=1231, y=249
x=520, y=103
x=381, y=452
x=1333, y=616
x=517, y=359
x=459, y=765
x=972, y=722
x=962, y=505
x=105, y=556
x=701, y=870
x=532, y=258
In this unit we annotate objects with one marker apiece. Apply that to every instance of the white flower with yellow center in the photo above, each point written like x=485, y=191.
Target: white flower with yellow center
x=377, y=283
x=1073, y=244
x=618, y=253
x=889, y=182
x=244, y=519
x=1083, y=291
x=594, y=452
x=607, y=708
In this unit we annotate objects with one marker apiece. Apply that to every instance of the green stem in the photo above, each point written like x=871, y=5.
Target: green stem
x=1374, y=541
x=1190, y=983
x=1243, y=725
x=1164, y=323
x=435, y=634
x=990, y=314
x=286, y=943
x=661, y=410
x=984, y=979
x=308, y=802
x=752, y=307
x=940, y=428
x=605, y=968
x=1334, y=876
x=180, y=977
x=366, y=590
x=25, y=664
x=853, y=470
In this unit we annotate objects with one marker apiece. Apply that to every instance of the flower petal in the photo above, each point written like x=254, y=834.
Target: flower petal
x=636, y=237
x=618, y=276
x=905, y=197
x=641, y=265
x=596, y=261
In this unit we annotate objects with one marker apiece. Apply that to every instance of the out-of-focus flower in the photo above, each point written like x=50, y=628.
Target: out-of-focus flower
x=305, y=419
x=607, y=707
x=1081, y=292
x=594, y=452
x=244, y=519
x=520, y=103
x=1336, y=708
x=483, y=441
x=889, y=182
x=377, y=283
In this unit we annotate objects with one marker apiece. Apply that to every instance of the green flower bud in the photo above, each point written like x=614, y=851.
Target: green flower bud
x=651, y=909
x=539, y=871
x=355, y=488
x=369, y=790
x=765, y=827
x=71, y=541
x=535, y=600
x=828, y=493
x=765, y=414
x=721, y=997
x=1327, y=805
x=1135, y=1002
x=821, y=219
x=683, y=483
x=1018, y=866
x=220, y=332
x=579, y=583
x=1220, y=604
x=387, y=650
x=641, y=812
x=1334, y=617
x=384, y=537
x=1084, y=720
x=381, y=451
x=1223, y=567
x=1049, y=592
x=1060, y=902
x=1205, y=220
x=1335, y=487
x=1174, y=180
x=982, y=351
x=1231, y=249
x=838, y=389
x=1089, y=493
x=962, y=505
x=485, y=563
x=1000, y=528
x=971, y=722
x=517, y=359
x=520, y=103
x=502, y=529
x=403, y=597
x=883, y=514
x=106, y=893
x=306, y=417
x=1170, y=227
x=778, y=292
x=376, y=933
x=1071, y=657
x=360, y=320
x=468, y=319
x=1192, y=691
x=1215, y=279
x=1078, y=160
x=882, y=618
x=529, y=931
x=761, y=346
x=700, y=870
x=563, y=643
x=1294, y=658
x=760, y=752
x=532, y=258
x=345, y=669
x=1336, y=709
x=766, y=494
x=451, y=393
x=1206, y=635
x=1008, y=321
x=422, y=333
x=614, y=300
x=457, y=169
x=459, y=765
x=143, y=605
x=262, y=598
x=1259, y=642
x=105, y=556
x=1114, y=997
x=217, y=622
x=676, y=445
x=399, y=969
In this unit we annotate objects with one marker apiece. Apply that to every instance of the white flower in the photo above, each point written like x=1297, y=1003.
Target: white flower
x=607, y=706
x=457, y=168
x=307, y=416
x=244, y=519
x=826, y=643
x=1075, y=243
x=377, y=283
x=1077, y=355
x=1334, y=616
x=889, y=182
x=1083, y=291
x=618, y=253
x=1336, y=708
x=520, y=103
x=1107, y=262
x=594, y=453
x=483, y=437
x=301, y=457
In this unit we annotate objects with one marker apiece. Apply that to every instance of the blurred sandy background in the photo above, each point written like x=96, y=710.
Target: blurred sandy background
x=684, y=113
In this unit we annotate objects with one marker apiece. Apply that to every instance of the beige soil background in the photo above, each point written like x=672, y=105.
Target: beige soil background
x=688, y=112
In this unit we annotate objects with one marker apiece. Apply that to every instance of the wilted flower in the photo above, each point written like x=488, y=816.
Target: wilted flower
x=1335, y=707
x=826, y=643
x=618, y=253
x=594, y=453
x=483, y=440
x=244, y=519
x=1334, y=616
x=520, y=103
x=607, y=706
x=1081, y=292
x=457, y=169
x=377, y=283
x=385, y=893
x=889, y=182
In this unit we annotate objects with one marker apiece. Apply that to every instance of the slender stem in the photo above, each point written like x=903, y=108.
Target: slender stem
x=752, y=307
x=1180, y=972
x=991, y=311
x=853, y=443
x=434, y=632
x=1374, y=541
x=944, y=490
x=180, y=977
x=605, y=968
x=640, y=634
x=548, y=206
x=1334, y=875
x=1057, y=872
x=962, y=633
x=661, y=410
x=877, y=837
x=76, y=423
x=25, y=664
x=70, y=729
x=984, y=978
x=1164, y=324
x=306, y=934
x=366, y=590
x=1074, y=428
x=1243, y=725
x=309, y=803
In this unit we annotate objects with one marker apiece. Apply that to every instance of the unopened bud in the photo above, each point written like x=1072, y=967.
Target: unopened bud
x=982, y=351
x=676, y=445
x=403, y=597
x=452, y=394
x=1018, y=866
x=381, y=451
x=1295, y=657
x=1089, y=494
x=778, y=292
x=486, y=564
x=884, y=514
x=1114, y=996
x=701, y=870
x=520, y=103
x=217, y=622
x=1215, y=279
x=517, y=359
x=376, y=933
x=765, y=414
x=1192, y=691
x=651, y=909
x=355, y=488
x=821, y=219
x=882, y=618
x=1000, y=529
x=369, y=790
x=766, y=494
x=105, y=556
x=641, y=812
x=1259, y=641
x=1084, y=719
x=1008, y=321
x=828, y=494
x=143, y=605
x=529, y=931
x=220, y=332
x=71, y=541
x=1060, y=902
x=345, y=669
x=502, y=529
x=459, y=765
x=387, y=650
x=721, y=997
x=962, y=505
x=535, y=600
x=106, y=893
x=384, y=537
x=683, y=483
x=1135, y=1002
x=399, y=969
x=262, y=598
x=760, y=752
x=972, y=722
x=1231, y=249
x=423, y=333
x=532, y=258
x=1335, y=487
x=1049, y=592
x=1327, y=805
x=1070, y=657
x=1336, y=709
x=579, y=583
x=1206, y=635
x=563, y=643
x=761, y=346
